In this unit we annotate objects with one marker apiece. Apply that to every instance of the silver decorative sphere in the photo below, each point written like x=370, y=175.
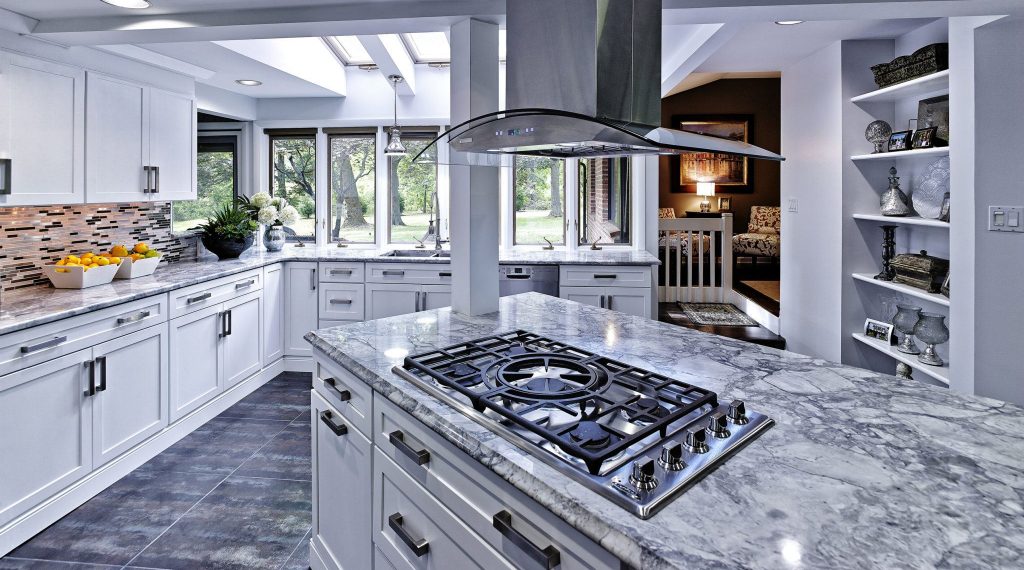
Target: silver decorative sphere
x=877, y=134
x=904, y=371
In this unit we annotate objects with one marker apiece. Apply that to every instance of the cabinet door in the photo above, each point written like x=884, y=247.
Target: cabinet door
x=131, y=397
x=388, y=300
x=341, y=489
x=172, y=145
x=300, y=306
x=273, y=313
x=116, y=145
x=42, y=132
x=242, y=339
x=46, y=422
x=587, y=295
x=195, y=360
x=632, y=300
x=435, y=297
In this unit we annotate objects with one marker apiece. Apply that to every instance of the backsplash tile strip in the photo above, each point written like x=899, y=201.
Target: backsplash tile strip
x=33, y=236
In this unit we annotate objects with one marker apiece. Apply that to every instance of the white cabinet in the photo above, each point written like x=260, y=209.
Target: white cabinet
x=341, y=301
x=300, y=306
x=140, y=142
x=46, y=422
x=593, y=296
x=273, y=313
x=629, y=300
x=402, y=288
x=387, y=300
x=341, y=505
x=42, y=132
x=131, y=377
x=626, y=289
x=435, y=297
x=242, y=339
x=195, y=360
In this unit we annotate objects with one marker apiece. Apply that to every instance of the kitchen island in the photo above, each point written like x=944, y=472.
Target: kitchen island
x=861, y=470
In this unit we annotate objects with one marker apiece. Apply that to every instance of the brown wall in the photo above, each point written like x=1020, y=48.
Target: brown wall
x=757, y=97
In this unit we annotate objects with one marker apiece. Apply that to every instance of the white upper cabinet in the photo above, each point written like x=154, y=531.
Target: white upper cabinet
x=42, y=132
x=140, y=142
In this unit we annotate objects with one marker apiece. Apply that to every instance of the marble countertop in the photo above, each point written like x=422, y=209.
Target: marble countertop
x=33, y=306
x=861, y=470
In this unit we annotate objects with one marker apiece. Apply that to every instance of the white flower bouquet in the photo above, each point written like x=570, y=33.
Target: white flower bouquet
x=273, y=211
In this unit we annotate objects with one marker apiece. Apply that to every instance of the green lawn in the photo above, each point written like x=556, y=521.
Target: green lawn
x=534, y=225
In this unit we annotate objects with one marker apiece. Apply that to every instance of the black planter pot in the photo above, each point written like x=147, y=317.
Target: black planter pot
x=228, y=248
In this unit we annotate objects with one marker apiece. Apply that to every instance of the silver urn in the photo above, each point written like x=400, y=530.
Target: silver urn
x=905, y=320
x=931, y=329
x=894, y=201
x=274, y=238
x=878, y=133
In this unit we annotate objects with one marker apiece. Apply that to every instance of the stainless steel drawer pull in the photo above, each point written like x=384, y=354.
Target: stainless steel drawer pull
x=444, y=273
x=198, y=298
x=547, y=557
x=245, y=285
x=388, y=272
x=91, y=390
x=149, y=179
x=420, y=456
x=132, y=319
x=605, y=276
x=6, y=177
x=418, y=547
x=518, y=276
x=102, y=362
x=328, y=418
x=340, y=301
x=45, y=344
x=343, y=395
x=340, y=272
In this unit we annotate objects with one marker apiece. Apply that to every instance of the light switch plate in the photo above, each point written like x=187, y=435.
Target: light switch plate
x=794, y=205
x=1006, y=219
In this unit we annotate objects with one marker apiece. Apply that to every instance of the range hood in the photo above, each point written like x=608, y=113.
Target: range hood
x=583, y=80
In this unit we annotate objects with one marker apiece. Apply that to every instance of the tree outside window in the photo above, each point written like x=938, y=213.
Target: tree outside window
x=293, y=177
x=216, y=183
x=353, y=187
x=411, y=185
x=539, y=194
x=605, y=201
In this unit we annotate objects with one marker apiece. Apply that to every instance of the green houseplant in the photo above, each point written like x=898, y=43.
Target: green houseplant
x=230, y=231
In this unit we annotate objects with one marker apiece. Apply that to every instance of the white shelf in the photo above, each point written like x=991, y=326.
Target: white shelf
x=903, y=220
x=934, y=83
x=903, y=154
x=905, y=289
x=940, y=373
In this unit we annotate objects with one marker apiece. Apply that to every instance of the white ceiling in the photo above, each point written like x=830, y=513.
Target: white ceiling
x=62, y=9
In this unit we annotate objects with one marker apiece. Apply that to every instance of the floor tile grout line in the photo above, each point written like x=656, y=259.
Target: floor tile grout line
x=61, y=561
x=215, y=487
x=297, y=547
x=273, y=479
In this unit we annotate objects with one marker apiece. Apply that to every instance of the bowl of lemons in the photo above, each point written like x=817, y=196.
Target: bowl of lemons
x=140, y=261
x=84, y=270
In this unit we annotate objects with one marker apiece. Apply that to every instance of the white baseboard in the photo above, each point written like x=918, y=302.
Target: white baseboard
x=317, y=560
x=50, y=511
x=298, y=363
x=755, y=311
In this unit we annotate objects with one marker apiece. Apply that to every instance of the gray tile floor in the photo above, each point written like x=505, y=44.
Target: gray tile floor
x=236, y=493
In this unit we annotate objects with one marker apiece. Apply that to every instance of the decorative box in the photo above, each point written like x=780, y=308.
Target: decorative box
x=920, y=270
x=929, y=59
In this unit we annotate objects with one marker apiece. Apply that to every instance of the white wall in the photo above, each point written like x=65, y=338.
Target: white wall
x=812, y=175
x=223, y=103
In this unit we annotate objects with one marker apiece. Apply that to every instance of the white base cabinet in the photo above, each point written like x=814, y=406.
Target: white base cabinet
x=626, y=289
x=301, y=301
x=273, y=313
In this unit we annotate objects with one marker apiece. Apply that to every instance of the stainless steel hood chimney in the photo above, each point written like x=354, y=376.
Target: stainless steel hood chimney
x=583, y=80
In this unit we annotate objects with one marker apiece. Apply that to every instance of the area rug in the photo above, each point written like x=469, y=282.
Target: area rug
x=770, y=289
x=716, y=314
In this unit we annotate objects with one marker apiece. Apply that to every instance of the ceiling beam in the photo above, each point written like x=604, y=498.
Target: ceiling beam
x=681, y=57
x=159, y=60
x=711, y=11
x=308, y=59
x=389, y=53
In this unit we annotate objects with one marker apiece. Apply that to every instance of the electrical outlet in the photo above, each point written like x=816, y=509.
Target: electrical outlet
x=794, y=205
x=1006, y=219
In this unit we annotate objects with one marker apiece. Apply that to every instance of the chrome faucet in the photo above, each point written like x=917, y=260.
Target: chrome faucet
x=434, y=229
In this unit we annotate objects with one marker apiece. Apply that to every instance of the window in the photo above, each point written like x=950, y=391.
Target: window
x=293, y=177
x=411, y=186
x=353, y=186
x=539, y=195
x=428, y=47
x=605, y=205
x=349, y=50
x=216, y=182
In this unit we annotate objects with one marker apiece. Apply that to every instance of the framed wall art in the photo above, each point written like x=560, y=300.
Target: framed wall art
x=731, y=174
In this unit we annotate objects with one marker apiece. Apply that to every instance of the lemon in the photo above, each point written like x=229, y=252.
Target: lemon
x=115, y=260
x=101, y=261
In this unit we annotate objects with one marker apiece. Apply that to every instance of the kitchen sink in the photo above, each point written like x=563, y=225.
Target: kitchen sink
x=416, y=253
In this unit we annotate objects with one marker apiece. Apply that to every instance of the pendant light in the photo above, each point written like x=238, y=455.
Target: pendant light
x=395, y=146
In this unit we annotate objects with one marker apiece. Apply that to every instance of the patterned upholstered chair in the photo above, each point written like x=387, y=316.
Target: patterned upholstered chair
x=762, y=237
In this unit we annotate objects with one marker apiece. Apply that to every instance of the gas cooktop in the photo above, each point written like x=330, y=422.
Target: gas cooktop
x=636, y=437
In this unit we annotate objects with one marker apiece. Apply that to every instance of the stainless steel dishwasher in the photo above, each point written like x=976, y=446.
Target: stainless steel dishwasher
x=515, y=279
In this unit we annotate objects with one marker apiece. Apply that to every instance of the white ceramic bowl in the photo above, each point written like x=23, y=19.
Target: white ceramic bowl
x=76, y=277
x=131, y=269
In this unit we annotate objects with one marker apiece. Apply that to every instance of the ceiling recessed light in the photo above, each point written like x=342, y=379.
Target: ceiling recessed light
x=788, y=22
x=134, y=4
x=248, y=82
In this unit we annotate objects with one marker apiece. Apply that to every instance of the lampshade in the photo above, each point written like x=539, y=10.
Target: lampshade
x=705, y=188
x=395, y=146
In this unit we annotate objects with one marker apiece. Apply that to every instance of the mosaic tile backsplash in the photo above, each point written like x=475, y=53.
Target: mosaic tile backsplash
x=33, y=236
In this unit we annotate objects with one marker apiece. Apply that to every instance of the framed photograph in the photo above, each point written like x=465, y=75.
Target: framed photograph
x=724, y=204
x=944, y=211
x=924, y=138
x=731, y=174
x=934, y=112
x=899, y=140
x=878, y=330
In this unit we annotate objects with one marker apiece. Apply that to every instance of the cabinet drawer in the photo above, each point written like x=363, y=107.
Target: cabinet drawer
x=422, y=273
x=342, y=272
x=46, y=342
x=476, y=496
x=341, y=301
x=605, y=276
x=211, y=293
x=348, y=394
x=415, y=531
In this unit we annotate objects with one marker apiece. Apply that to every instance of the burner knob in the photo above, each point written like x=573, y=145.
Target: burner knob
x=716, y=425
x=696, y=440
x=672, y=457
x=738, y=412
x=643, y=475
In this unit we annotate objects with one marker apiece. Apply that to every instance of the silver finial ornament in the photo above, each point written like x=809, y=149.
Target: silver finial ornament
x=894, y=201
x=877, y=134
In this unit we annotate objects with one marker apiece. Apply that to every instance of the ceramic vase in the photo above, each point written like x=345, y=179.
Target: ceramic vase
x=274, y=238
x=894, y=201
x=931, y=329
x=905, y=320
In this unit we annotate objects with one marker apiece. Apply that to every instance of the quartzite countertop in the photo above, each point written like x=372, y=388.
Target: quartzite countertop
x=861, y=471
x=32, y=306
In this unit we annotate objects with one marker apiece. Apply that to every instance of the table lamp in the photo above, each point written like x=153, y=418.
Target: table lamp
x=705, y=189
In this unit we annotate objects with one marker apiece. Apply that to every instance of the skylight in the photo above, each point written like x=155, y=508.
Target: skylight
x=428, y=47
x=349, y=49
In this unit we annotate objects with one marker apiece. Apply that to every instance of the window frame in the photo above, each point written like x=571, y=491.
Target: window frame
x=368, y=133
x=233, y=138
x=297, y=134
x=414, y=133
x=630, y=175
x=511, y=218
